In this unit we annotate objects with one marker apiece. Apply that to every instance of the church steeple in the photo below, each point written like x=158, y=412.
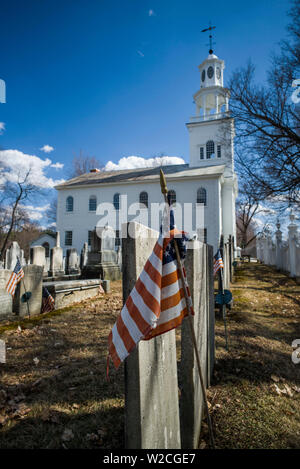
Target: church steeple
x=211, y=128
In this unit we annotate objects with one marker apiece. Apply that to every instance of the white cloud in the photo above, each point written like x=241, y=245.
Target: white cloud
x=2, y=127
x=35, y=213
x=151, y=13
x=15, y=165
x=131, y=162
x=47, y=148
x=57, y=165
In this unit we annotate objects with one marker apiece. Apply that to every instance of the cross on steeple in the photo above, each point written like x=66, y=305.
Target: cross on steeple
x=210, y=36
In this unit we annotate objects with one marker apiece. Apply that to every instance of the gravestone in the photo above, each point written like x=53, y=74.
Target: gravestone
x=72, y=262
x=12, y=254
x=199, y=268
x=84, y=255
x=38, y=257
x=5, y=298
x=32, y=281
x=102, y=259
x=56, y=259
x=151, y=386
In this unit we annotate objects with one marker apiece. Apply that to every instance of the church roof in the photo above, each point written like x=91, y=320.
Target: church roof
x=137, y=175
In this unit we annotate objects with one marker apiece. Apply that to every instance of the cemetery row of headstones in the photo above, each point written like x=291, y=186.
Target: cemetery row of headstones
x=101, y=259
x=58, y=273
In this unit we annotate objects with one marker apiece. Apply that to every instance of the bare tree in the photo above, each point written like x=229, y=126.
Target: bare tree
x=268, y=122
x=51, y=212
x=83, y=164
x=248, y=208
x=13, y=216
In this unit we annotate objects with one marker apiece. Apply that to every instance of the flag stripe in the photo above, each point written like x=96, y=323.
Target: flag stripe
x=172, y=301
x=126, y=337
x=157, y=302
x=167, y=326
x=136, y=316
x=131, y=325
x=148, y=299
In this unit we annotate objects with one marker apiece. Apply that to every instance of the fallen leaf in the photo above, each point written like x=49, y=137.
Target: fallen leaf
x=275, y=378
x=36, y=361
x=67, y=435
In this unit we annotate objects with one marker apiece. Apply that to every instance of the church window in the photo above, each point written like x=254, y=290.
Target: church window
x=93, y=203
x=201, y=196
x=210, y=149
x=117, y=201
x=201, y=153
x=144, y=199
x=172, y=197
x=68, y=238
x=69, y=204
x=219, y=151
x=89, y=238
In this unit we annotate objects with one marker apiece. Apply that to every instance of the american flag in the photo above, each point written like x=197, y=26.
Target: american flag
x=218, y=262
x=47, y=301
x=157, y=303
x=16, y=276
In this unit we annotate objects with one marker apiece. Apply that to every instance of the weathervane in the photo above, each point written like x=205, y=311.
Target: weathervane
x=210, y=36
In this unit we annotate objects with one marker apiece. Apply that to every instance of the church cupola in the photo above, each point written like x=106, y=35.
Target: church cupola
x=211, y=128
x=211, y=71
x=212, y=100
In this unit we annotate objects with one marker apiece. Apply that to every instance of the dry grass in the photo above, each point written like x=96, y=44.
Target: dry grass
x=64, y=400
x=247, y=410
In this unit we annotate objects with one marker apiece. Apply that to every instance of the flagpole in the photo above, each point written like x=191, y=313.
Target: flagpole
x=164, y=191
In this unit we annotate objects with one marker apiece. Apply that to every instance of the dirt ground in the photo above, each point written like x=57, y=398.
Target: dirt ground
x=54, y=392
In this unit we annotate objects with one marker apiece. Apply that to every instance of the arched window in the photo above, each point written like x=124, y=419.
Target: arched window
x=117, y=201
x=172, y=197
x=47, y=249
x=210, y=149
x=93, y=203
x=69, y=204
x=201, y=196
x=144, y=199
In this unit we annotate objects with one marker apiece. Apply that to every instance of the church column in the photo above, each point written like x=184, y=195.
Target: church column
x=226, y=104
x=204, y=106
x=217, y=104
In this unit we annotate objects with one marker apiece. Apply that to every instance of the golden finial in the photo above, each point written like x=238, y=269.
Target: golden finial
x=163, y=183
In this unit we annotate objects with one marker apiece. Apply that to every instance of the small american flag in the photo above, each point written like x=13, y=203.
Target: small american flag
x=218, y=262
x=157, y=303
x=16, y=276
x=47, y=301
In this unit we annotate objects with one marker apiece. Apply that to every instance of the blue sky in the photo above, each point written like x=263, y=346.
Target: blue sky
x=116, y=78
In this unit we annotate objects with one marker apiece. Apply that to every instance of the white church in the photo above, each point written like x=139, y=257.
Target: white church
x=209, y=178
